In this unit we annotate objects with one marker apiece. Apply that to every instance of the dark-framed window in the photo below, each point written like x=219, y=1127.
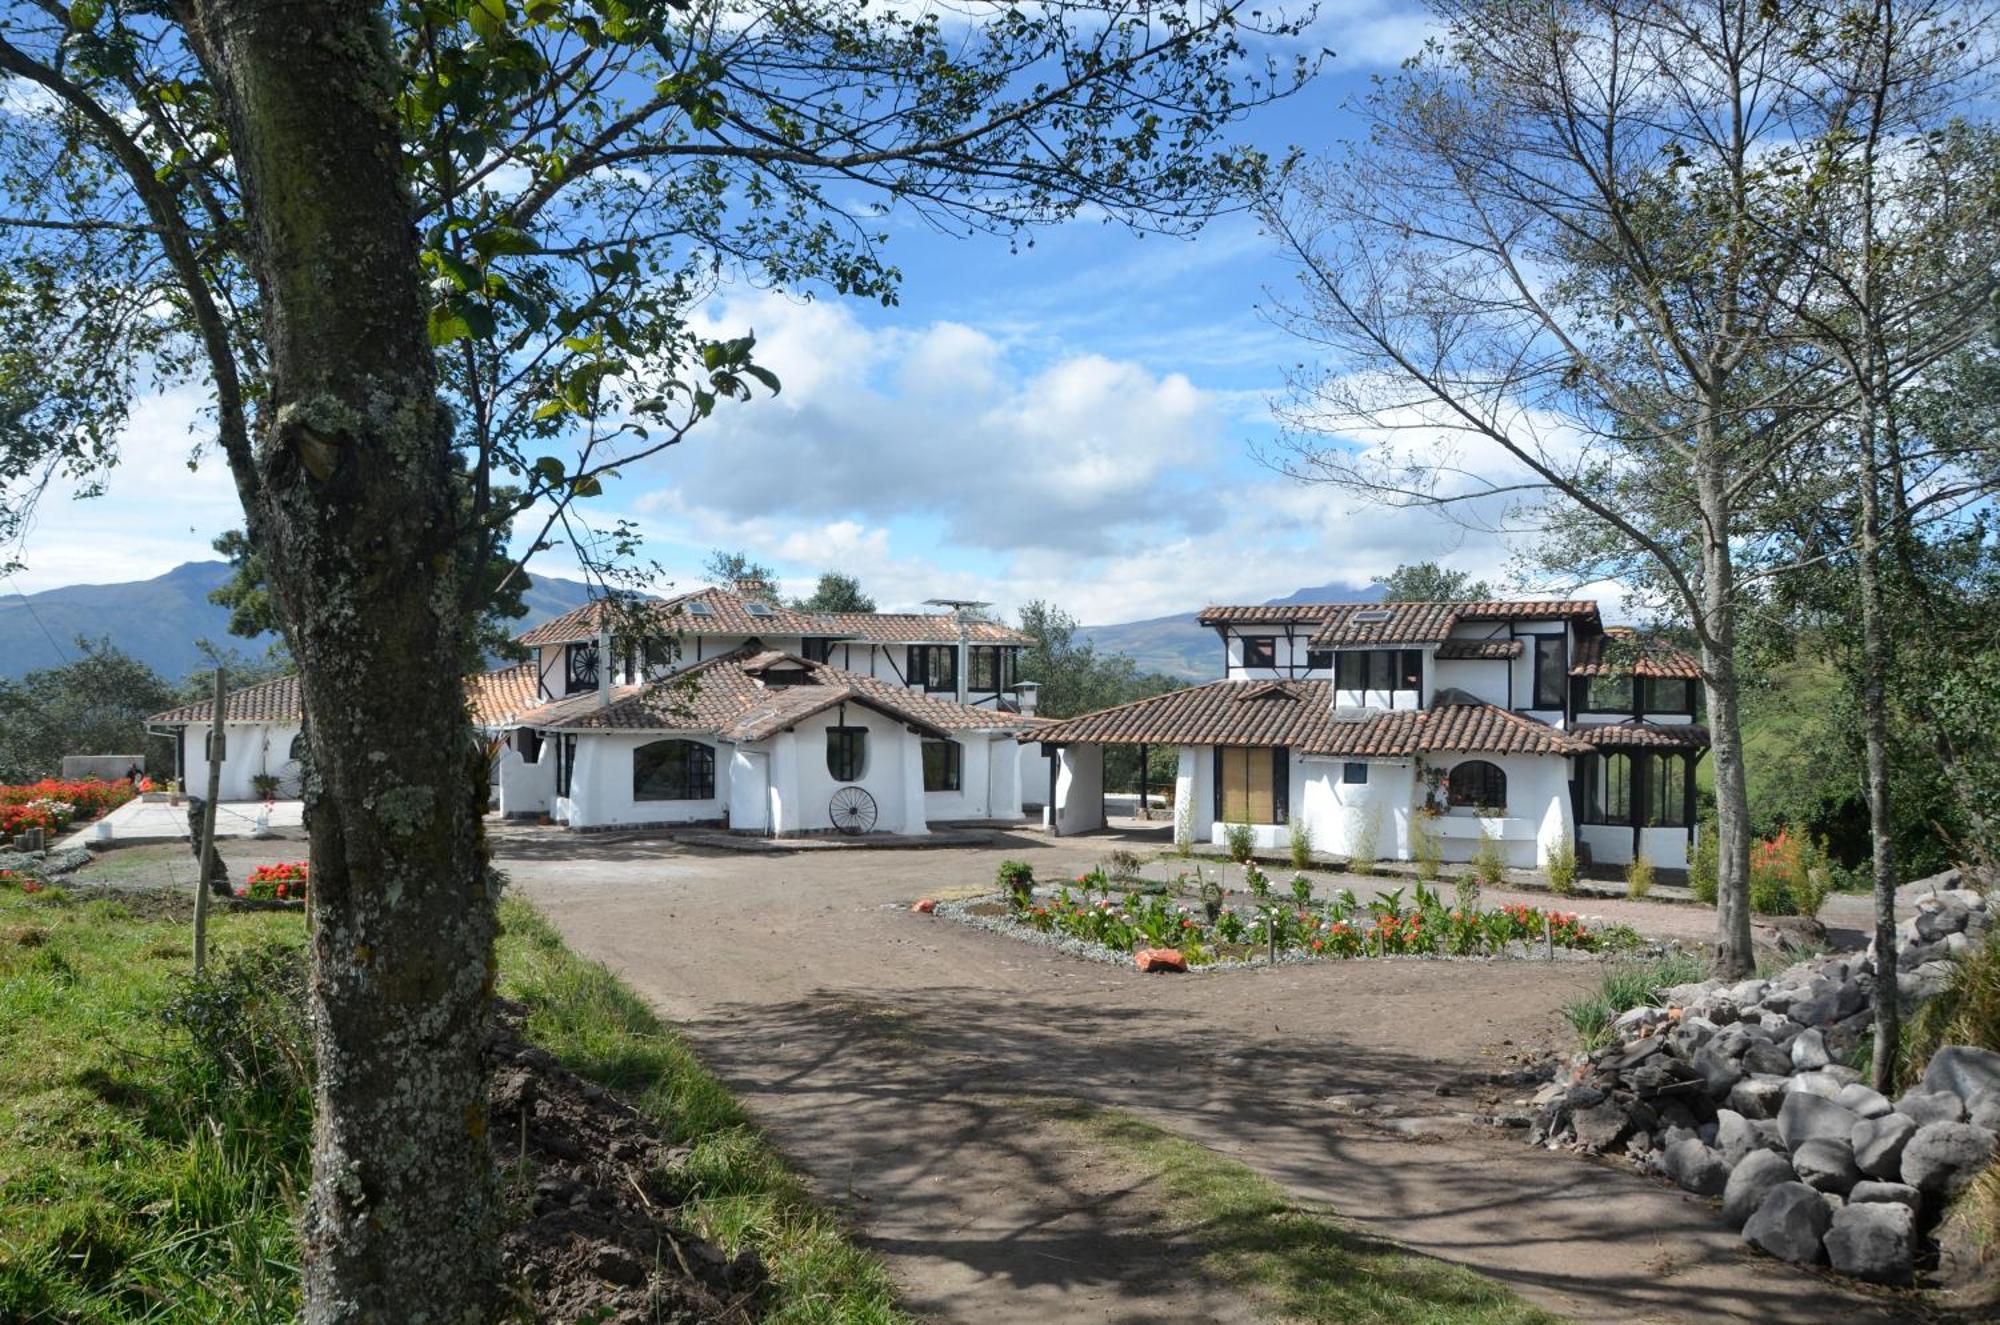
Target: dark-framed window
x=1354, y=773
x=816, y=649
x=1666, y=790
x=934, y=666
x=579, y=667
x=1608, y=694
x=847, y=753
x=1379, y=669
x=1607, y=788
x=989, y=668
x=673, y=771
x=1669, y=694
x=944, y=765
x=297, y=750
x=1319, y=660
x=1477, y=784
x=1551, y=671
x=565, y=763
x=1260, y=650
x=528, y=742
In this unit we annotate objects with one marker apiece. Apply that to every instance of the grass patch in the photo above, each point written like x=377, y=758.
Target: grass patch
x=1299, y=1259
x=1625, y=987
x=738, y=1191
x=138, y=1186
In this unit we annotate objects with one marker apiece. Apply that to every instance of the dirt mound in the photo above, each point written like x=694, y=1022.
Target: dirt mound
x=596, y=1236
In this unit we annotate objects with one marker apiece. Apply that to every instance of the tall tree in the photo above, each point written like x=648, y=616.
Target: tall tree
x=1428, y=582
x=420, y=252
x=836, y=592
x=733, y=570
x=1551, y=278
x=97, y=703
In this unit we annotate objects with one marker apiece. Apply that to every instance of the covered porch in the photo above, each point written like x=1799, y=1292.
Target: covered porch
x=1634, y=794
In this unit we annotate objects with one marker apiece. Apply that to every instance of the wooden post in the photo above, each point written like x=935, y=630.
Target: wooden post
x=1143, y=816
x=1548, y=937
x=215, y=751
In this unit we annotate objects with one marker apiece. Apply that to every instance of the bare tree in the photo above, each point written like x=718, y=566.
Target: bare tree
x=1558, y=277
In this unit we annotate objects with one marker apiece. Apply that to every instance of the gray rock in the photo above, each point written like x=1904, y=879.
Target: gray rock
x=1809, y=1050
x=1970, y=899
x=1841, y=1073
x=1878, y=1144
x=1790, y=1224
x=1876, y=1242
x=1943, y=1157
x=1829, y=1002
x=1932, y=1106
x=1984, y=1110
x=1766, y=1060
x=1633, y=1020
x=1959, y=946
x=1737, y=1137
x=1814, y=1083
x=1963, y=1070
x=1718, y=1071
x=1900, y=1193
x=1803, y=1117
x=1746, y=993
x=1826, y=1164
x=1696, y=1168
x=1690, y=1034
x=1864, y=1101
x=1686, y=996
x=1926, y=982
x=1750, y=1182
x=1939, y=915
x=1758, y=1096
x=1601, y=1126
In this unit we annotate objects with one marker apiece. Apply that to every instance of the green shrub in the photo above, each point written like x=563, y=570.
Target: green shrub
x=1639, y=878
x=1123, y=865
x=1300, y=841
x=1705, y=863
x=1627, y=986
x=1967, y=1012
x=1240, y=842
x=1426, y=847
x=1489, y=860
x=1302, y=891
x=1466, y=893
x=1560, y=865
x=1017, y=879
x=1258, y=882
x=1788, y=875
x=1361, y=857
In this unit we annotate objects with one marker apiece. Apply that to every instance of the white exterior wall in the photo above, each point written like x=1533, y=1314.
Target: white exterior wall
x=526, y=788
x=1034, y=780
x=1611, y=844
x=989, y=781
x=1194, y=793
x=1336, y=811
x=893, y=773
x=248, y=749
x=749, y=790
x=601, y=784
x=1483, y=678
x=1003, y=778
x=1537, y=809
x=1079, y=806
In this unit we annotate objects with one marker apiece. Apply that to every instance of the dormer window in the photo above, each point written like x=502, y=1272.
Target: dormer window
x=1551, y=671
x=1260, y=650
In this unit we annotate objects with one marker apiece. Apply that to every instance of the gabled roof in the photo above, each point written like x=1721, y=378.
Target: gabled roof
x=1644, y=735
x=723, y=698
x=1620, y=650
x=497, y=696
x=276, y=700
x=1354, y=624
x=717, y=611
x=1475, y=650
x=1301, y=714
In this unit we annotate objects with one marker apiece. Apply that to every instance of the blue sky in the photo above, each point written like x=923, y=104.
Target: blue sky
x=1071, y=421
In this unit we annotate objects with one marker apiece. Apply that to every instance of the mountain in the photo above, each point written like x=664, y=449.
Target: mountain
x=158, y=621
x=1179, y=647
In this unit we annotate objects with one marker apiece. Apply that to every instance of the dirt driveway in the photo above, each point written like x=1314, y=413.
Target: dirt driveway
x=895, y=1056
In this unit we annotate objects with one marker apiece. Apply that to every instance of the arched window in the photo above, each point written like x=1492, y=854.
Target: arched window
x=673, y=771
x=847, y=753
x=1477, y=783
x=298, y=748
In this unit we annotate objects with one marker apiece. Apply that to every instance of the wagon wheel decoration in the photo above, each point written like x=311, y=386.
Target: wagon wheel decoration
x=853, y=810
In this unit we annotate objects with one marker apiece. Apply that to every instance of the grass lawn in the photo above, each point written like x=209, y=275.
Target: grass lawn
x=131, y=1190
x=1300, y=1261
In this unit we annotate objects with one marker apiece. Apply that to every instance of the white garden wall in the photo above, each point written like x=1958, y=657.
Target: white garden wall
x=601, y=785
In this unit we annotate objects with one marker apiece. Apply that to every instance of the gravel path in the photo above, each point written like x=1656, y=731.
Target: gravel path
x=890, y=1055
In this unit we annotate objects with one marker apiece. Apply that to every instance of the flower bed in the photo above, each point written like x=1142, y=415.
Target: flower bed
x=276, y=883
x=1091, y=918
x=53, y=805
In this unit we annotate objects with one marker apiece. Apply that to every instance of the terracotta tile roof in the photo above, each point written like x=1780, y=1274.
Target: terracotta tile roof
x=1474, y=650
x=1278, y=614
x=723, y=612
x=1301, y=714
x=497, y=696
x=276, y=700
x=1645, y=735
x=1405, y=623
x=720, y=697
x=1618, y=651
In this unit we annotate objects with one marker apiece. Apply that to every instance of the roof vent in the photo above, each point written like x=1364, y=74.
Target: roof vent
x=698, y=607
x=757, y=609
x=1372, y=616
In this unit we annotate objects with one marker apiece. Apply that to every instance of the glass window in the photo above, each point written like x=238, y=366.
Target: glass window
x=1607, y=793
x=1350, y=671
x=813, y=649
x=847, y=753
x=298, y=748
x=983, y=668
x=1666, y=791
x=1669, y=694
x=934, y=666
x=1379, y=669
x=943, y=765
x=1478, y=784
x=1248, y=794
x=1609, y=694
x=1319, y=660
x=1354, y=774
x=1260, y=650
x=1551, y=672
x=673, y=771
x=581, y=668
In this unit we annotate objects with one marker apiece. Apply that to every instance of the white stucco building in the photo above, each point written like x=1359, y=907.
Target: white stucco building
x=261, y=727
x=1526, y=722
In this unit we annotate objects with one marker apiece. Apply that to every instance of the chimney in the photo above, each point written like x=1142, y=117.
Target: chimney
x=1026, y=694
x=604, y=664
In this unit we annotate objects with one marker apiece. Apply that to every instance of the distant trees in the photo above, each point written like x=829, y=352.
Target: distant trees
x=1428, y=582
x=727, y=569
x=1075, y=678
x=836, y=592
x=97, y=703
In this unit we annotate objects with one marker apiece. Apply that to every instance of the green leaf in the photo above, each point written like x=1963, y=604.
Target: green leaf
x=550, y=469
x=488, y=18
x=548, y=409
x=83, y=15
x=447, y=325
x=504, y=239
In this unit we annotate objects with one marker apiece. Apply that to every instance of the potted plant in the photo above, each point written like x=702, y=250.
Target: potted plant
x=265, y=785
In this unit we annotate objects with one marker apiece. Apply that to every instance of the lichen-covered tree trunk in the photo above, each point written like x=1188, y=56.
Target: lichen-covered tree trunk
x=354, y=518
x=1734, y=958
